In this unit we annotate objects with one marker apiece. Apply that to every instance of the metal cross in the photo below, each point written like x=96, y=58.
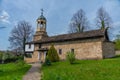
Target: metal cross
x=42, y=11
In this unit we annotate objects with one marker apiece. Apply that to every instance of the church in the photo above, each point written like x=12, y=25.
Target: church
x=92, y=44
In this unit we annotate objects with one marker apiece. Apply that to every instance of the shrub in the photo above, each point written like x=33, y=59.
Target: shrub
x=4, y=57
x=70, y=57
x=117, y=44
x=47, y=61
x=21, y=57
x=52, y=54
x=1, y=55
x=20, y=62
x=7, y=57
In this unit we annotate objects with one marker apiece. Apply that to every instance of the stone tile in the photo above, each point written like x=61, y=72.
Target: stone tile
x=33, y=73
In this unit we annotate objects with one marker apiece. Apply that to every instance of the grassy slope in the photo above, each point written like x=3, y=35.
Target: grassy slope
x=108, y=69
x=12, y=71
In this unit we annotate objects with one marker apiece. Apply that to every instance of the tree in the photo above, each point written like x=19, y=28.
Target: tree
x=103, y=19
x=79, y=22
x=52, y=54
x=117, y=42
x=21, y=34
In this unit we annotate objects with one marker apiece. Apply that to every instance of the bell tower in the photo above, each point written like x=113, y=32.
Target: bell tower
x=41, y=28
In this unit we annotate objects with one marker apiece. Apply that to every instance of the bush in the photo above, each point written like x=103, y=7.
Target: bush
x=47, y=61
x=1, y=55
x=117, y=44
x=21, y=57
x=70, y=57
x=20, y=62
x=52, y=54
x=7, y=57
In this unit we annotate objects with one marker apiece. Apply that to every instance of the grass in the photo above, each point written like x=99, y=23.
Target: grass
x=13, y=71
x=107, y=69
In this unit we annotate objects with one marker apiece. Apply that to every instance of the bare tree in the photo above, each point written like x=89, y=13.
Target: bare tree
x=103, y=19
x=79, y=22
x=21, y=34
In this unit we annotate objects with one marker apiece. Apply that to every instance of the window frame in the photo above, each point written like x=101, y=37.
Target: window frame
x=60, y=51
x=40, y=46
x=29, y=55
x=29, y=46
x=72, y=50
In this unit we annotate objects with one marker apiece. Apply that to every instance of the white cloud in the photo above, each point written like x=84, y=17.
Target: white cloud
x=4, y=16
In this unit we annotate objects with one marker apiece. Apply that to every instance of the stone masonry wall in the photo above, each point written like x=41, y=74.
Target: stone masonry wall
x=33, y=59
x=108, y=49
x=82, y=50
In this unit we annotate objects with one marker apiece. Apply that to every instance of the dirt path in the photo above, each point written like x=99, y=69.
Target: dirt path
x=33, y=73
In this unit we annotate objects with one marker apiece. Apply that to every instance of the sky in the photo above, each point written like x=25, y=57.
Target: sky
x=57, y=12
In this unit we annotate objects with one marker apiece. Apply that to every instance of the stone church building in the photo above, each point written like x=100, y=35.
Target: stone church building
x=92, y=44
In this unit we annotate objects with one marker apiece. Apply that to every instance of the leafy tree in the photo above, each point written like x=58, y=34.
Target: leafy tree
x=103, y=19
x=52, y=54
x=79, y=22
x=21, y=34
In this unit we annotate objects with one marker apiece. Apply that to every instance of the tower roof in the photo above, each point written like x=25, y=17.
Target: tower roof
x=41, y=17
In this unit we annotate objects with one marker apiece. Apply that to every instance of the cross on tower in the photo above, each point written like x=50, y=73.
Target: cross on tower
x=42, y=11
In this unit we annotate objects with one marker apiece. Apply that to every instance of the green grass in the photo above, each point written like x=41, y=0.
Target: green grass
x=13, y=71
x=107, y=69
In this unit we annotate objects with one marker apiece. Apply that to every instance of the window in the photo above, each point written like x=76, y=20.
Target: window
x=39, y=46
x=60, y=51
x=41, y=22
x=29, y=55
x=29, y=46
x=72, y=50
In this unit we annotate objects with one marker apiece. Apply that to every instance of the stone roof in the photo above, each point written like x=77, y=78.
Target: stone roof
x=73, y=36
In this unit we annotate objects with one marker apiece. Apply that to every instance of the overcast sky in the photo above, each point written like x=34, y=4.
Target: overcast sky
x=57, y=12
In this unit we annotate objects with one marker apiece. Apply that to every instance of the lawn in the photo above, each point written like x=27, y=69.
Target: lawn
x=13, y=71
x=107, y=69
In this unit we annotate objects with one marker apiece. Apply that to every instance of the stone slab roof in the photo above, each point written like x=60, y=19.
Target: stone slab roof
x=73, y=36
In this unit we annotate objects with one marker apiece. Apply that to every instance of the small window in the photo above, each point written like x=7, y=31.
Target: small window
x=39, y=46
x=41, y=22
x=60, y=51
x=29, y=46
x=29, y=55
x=72, y=50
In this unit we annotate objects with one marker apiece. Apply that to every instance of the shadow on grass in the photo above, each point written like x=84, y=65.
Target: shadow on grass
x=1, y=71
x=117, y=56
x=75, y=63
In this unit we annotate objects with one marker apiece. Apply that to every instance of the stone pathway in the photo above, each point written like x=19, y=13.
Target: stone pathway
x=33, y=73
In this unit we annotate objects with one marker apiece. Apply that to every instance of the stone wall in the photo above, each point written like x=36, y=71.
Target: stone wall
x=82, y=50
x=33, y=59
x=117, y=52
x=108, y=49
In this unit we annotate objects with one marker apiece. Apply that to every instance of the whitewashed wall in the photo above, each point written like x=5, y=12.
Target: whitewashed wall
x=29, y=49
